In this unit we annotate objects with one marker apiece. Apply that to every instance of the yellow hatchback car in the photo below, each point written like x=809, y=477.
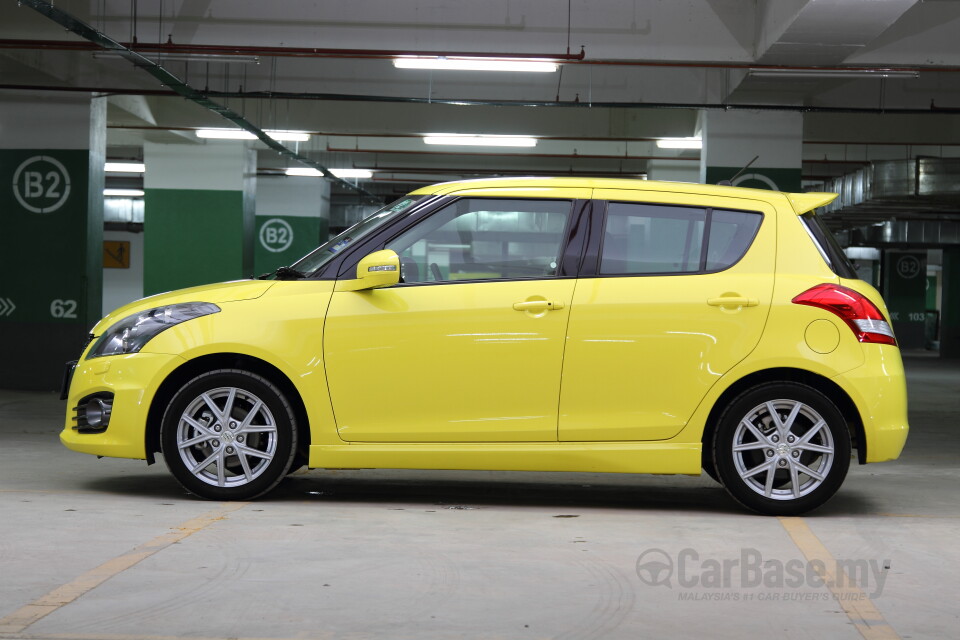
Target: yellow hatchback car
x=542, y=324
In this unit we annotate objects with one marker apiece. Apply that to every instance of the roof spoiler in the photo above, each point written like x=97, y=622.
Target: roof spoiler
x=803, y=202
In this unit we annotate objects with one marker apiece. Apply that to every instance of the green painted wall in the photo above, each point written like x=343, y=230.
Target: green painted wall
x=950, y=313
x=905, y=292
x=192, y=237
x=52, y=231
x=280, y=241
x=753, y=178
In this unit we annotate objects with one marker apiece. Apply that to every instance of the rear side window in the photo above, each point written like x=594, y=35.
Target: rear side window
x=659, y=239
x=828, y=246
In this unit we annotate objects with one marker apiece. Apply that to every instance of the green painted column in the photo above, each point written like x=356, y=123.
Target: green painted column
x=293, y=217
x=731, y=139
x=904, y=291
x=950, y=304
x=52, y=151
x=198, y=214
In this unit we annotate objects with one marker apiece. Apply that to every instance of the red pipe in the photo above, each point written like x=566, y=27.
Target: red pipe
x=311, y=52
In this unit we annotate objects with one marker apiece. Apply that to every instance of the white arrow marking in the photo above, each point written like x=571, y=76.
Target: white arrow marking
x=6, y=306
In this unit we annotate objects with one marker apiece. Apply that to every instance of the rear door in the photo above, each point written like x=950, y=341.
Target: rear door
x=675, y=290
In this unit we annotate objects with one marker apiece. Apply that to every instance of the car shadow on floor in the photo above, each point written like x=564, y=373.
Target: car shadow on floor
x=445, y=490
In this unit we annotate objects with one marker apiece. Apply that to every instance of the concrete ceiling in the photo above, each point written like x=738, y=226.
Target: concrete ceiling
x=648, y=66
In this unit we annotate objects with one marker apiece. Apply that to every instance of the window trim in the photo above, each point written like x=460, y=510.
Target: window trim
x=594, y=252
x=572, y=242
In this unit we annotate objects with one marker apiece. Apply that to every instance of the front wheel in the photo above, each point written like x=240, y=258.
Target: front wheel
x=782, y=448
x=229, y=435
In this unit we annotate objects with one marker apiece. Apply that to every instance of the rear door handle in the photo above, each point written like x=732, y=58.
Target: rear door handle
x=732, y=301
x=538, y=305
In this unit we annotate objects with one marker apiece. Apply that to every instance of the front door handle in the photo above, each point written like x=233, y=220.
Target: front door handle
x=732, y=301
x=538, y=305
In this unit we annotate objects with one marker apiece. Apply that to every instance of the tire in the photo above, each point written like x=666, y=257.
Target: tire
x=229, y=435
x=782, y=449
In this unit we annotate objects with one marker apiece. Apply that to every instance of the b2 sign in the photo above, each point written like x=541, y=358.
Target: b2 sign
x=41, y=184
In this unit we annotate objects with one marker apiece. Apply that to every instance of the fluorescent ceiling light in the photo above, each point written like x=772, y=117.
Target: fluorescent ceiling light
x=123, y=193
x=479, y=140
x=124, y=167
x=475, y=64
x=680, y=143
x=240, y=134
x=834, y=73
x=304, y=171
x=352, y=173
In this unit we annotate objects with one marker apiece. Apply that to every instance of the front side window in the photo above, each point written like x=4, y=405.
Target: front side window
x=326, y=252
x=651, y=239
x=484, y=239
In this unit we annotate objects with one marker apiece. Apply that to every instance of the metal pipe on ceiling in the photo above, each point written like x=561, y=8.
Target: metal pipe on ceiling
x=172, y=48
x=102, y=41
x=339, y=97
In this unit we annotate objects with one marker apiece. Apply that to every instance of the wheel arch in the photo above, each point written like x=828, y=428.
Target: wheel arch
x=824, y=385
x=192, y=368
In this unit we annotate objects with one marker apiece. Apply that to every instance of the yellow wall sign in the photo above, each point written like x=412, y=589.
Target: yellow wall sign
x=116, y=254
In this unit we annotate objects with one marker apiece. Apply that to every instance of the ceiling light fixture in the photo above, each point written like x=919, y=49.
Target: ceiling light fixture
x=124, y=167
x=443, y=63
x=162, y=57
x=680, y=143
x=352, y=173
x=123, y=193
x=304, y=172
x=240, y=134
x=466, y=139
x=834, y=73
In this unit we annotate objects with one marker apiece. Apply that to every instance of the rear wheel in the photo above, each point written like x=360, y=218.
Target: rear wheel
x=229, y=435
x=782, y=448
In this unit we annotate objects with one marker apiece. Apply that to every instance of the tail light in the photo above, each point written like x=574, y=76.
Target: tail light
x=861, y=315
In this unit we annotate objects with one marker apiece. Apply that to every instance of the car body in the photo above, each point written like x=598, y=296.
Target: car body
x=543, y=324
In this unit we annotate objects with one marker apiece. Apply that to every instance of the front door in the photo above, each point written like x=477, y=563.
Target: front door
x=680, y=294
x=469, y=347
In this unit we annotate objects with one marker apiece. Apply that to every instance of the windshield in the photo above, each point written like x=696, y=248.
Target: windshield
x=325, y=252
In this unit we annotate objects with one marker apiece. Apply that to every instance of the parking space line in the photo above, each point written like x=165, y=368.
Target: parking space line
x=855, y=603
x=65, y=594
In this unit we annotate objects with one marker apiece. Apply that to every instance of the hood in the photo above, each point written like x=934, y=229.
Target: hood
x=216, y=293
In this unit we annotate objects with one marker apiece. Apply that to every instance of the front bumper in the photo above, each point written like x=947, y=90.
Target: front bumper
x=133, y=380
x=878, y=388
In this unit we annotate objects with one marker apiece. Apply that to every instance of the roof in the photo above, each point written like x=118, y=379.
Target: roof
x=801, y=202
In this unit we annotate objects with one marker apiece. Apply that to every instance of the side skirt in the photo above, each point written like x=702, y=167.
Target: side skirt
x=609, y=457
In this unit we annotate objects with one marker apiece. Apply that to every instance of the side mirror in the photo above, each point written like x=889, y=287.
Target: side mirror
x=376, y=270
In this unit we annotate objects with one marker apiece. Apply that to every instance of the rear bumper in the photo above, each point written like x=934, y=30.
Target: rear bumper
x=133, y=379
x=878, y=388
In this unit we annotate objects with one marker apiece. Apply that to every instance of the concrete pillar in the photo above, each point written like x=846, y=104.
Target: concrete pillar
x=732, y=138
x=674, y=170
x=52, y=150
x=293, y=217
x=198, y=214
x=904, y=276
x=950, y=304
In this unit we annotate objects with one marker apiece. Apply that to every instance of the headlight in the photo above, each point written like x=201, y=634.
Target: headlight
x=133, y=332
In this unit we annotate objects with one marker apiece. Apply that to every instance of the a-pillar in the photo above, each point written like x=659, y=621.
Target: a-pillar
x=198, y=210
x=950, y=307
x=293, y=217
x=51, y=214
x=731, y=139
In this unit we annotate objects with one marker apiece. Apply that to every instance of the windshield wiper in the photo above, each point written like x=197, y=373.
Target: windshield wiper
x=284, y=273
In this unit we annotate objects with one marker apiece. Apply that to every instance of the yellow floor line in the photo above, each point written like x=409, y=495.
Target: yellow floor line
x=859, y=608
x=64, y=595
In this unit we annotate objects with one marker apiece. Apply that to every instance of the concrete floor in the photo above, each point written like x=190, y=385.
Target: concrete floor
x=112, y=549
